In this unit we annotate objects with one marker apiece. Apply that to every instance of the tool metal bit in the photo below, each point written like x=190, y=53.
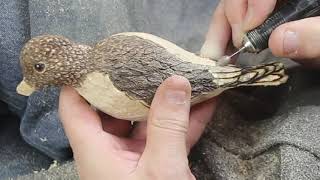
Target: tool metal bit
x=224, y=60
x=257, y=39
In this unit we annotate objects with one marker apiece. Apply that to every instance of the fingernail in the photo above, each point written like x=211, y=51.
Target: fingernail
x=176, y=97
x=290, y=42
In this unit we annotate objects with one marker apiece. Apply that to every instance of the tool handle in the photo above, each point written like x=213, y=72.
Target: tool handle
x=291, y=11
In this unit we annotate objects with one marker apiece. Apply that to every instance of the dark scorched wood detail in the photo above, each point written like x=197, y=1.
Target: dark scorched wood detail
x=138, y=66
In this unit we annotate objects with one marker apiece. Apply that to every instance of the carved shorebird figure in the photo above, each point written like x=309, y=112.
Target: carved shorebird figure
x=120, y=74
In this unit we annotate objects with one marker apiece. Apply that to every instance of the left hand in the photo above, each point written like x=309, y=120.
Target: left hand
x=107, y=148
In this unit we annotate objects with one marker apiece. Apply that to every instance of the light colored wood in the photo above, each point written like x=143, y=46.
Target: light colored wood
x=25, y=89
x=99, y=91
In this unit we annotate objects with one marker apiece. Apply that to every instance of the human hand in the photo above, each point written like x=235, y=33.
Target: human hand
x=298, y=40
x=107, y=148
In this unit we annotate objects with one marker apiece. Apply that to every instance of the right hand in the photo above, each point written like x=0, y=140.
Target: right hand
x=298, y=40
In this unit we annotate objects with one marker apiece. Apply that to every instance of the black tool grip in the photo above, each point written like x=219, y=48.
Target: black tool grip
x=291, y=11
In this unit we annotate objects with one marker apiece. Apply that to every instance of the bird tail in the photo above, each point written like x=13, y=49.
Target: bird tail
x=271, y=74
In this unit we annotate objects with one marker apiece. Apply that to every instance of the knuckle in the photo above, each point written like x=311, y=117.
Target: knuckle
x=176, y=125
x=160, y=173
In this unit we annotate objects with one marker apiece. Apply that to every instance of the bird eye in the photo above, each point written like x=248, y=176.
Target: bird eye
x=39, y=67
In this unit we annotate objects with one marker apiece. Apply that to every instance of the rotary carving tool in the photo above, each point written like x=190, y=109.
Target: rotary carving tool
x=257, y=39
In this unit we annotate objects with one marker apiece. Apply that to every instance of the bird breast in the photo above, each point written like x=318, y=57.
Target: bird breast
x=99, y=91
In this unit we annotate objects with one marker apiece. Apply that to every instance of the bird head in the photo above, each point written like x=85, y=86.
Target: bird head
x=51, y=60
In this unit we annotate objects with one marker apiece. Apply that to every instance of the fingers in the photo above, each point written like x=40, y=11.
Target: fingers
x=218, y=35
x=244, y=15
x=235, y=11
x=297, y=40
x=233, y=18
x=80, y=121
x=90, y=144
x=168, y=122
x=257, y=12
x=200, y=116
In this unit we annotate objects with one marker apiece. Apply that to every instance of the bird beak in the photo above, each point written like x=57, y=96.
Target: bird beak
x=25, y=89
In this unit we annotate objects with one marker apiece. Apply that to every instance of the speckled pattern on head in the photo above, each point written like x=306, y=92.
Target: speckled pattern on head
x=65, y=62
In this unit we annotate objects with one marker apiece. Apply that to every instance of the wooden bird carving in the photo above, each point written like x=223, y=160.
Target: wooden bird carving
x=120, y=74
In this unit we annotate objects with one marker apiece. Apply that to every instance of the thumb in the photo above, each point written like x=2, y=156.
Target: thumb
x=168, y=122
x=297, y=40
